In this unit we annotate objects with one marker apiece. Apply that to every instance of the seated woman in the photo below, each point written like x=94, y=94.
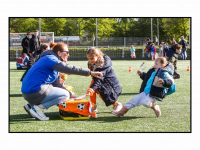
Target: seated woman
x=37, y=86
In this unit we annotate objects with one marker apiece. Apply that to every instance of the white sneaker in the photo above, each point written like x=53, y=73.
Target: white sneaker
x=27, y=107
x=38, y=113
x=117, y=107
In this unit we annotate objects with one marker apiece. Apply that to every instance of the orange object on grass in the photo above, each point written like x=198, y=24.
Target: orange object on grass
x=82, y=107
x=188, y=68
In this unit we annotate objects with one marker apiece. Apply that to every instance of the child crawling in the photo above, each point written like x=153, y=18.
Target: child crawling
x=154, y=87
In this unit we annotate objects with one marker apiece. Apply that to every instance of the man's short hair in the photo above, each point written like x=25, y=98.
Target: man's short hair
x=28, y=33
x=36, y=31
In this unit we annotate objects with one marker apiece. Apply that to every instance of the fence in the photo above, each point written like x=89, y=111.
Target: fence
x=79, y=53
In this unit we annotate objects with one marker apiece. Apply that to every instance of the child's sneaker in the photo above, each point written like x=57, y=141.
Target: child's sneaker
x=117, y=107
x=157, y=110
x=95, y=108
x=116, y=113
x=38, y=113
x=27, y=107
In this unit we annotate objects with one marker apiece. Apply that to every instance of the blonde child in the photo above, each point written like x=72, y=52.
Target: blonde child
x=108, y=87
x=154, y=87
x=133, y=52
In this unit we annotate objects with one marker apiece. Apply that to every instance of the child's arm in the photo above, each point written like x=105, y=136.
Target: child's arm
x=142, y=75
x=168, y=82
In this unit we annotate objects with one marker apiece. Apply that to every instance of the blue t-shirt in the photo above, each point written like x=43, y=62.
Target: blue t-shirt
x=152, y=48
x=39, y=74
x=132, y=49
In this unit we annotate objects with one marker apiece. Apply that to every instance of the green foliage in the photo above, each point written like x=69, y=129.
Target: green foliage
x=107, y=27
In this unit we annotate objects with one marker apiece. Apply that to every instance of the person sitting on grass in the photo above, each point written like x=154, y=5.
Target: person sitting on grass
x=154, y=87
x=37, y=86
x=108, y=87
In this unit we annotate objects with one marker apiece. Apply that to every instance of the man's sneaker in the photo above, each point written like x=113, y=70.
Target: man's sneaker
x=38, y=113
x=117, y=107
x=27, y=107
x=157, y=110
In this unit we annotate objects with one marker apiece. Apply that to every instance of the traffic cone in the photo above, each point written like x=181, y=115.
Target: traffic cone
x=129, y=69
x=188, y=68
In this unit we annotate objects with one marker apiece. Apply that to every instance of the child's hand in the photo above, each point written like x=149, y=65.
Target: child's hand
x=139, y=72
x=97, y=74
x=89, y=92
x=160, y=80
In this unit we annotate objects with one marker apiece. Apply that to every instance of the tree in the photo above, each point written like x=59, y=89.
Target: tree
x=55, y=25
x=175, y=28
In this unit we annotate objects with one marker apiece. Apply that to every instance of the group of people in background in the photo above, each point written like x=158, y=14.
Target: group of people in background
x=164, y=47
x=171, y=53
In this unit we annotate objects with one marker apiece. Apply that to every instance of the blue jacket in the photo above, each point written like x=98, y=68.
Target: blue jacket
x=108, y=86
x=171, y=53
x=159, y=91
x=45, y=71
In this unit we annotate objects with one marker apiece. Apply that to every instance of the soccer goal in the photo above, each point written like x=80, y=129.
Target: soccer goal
x=16, y=41
x=16, y=38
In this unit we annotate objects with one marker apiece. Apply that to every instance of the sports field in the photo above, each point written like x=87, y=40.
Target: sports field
x=176, y=108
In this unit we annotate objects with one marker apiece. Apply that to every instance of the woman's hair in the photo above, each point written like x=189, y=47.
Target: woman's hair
x=176, y=46
x=93, y=52
x=162, y=60
x=43, y=46
x=57, y=47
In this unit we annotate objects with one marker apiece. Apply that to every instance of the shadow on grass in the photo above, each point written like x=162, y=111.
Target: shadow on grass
x=17, y=70
x=129, y=93
x=15, y=95
x=25, y=118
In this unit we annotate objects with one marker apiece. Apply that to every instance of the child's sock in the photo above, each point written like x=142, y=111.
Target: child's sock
x=115, y=103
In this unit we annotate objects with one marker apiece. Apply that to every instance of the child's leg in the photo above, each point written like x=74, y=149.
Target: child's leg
x=150, y=103
x=121, y=112
x=135, y=101
x=156, y=109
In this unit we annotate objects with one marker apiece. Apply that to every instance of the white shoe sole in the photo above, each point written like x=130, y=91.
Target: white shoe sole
x=114, y=113
x=27, y=109
x=37, y=116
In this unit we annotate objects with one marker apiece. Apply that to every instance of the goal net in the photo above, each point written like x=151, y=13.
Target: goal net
x=16, y=38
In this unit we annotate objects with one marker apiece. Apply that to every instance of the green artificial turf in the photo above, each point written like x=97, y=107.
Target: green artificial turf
x=175, y=108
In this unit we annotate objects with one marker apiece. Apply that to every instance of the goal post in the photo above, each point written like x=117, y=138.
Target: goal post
x=15, y=41
x=16, y=38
